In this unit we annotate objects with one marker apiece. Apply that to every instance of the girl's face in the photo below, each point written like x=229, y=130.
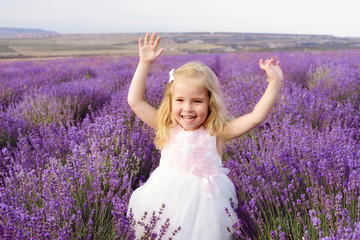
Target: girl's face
x=190, y=104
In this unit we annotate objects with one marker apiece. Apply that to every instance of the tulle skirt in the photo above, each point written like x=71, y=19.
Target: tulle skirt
x=201, y=207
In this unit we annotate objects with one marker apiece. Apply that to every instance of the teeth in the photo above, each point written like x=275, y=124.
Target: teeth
x=188, y=117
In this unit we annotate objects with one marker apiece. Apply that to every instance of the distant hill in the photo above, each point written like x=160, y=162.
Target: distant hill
x=11, y=31
x=37, y=43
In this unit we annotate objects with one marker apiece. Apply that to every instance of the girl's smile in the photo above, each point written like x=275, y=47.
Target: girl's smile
x=190, y=104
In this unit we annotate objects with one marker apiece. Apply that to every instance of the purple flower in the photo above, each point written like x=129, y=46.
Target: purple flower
x=72, y=151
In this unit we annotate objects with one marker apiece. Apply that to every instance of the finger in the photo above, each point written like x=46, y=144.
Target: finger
x=158, y=53
x=157, y=41
x=261, y=64
x=152, y=39
x=278, y=63
x=147, y=38
x=141, y=42
x=272, y=61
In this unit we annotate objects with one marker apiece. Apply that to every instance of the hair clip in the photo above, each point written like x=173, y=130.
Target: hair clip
x=171, y=78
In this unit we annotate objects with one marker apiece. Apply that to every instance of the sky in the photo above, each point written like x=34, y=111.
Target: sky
x=326, y=17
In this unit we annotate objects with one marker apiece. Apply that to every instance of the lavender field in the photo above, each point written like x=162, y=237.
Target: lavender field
x=72, y=151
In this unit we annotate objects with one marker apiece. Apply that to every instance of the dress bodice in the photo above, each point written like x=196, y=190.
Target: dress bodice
x=192, y=152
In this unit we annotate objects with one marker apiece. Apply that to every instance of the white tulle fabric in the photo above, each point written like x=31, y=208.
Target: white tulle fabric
x=194, y=187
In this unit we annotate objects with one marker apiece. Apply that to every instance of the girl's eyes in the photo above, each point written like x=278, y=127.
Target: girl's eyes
x=195, y=100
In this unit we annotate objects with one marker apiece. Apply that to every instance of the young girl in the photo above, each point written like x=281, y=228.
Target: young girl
x=192, y=127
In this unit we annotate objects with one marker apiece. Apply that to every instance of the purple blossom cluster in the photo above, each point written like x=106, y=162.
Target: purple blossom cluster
x=72, y=151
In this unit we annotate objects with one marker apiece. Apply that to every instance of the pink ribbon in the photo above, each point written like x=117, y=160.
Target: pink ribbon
x=209, y=180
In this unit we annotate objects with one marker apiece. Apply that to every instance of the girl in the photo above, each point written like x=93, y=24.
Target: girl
x=192, y=127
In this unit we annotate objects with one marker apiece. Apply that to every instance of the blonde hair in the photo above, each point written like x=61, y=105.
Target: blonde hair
x=205, y=77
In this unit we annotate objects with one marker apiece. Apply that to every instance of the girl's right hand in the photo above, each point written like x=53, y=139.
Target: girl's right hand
x=147, y=49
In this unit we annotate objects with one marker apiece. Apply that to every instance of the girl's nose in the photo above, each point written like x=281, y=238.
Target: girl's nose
x=188, y=107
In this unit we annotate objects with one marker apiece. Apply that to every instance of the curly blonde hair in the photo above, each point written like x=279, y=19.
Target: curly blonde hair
x=204, y=77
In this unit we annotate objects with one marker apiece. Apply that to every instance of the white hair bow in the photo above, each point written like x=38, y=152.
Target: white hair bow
x=171, y=78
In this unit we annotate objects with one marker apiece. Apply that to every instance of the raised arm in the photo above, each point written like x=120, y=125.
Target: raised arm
x=148, y=54
x=242, y=125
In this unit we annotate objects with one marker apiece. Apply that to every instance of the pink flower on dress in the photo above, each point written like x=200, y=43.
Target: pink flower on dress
x=195, y=153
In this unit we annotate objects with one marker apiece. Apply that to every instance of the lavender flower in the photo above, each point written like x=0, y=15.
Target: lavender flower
x=72, y=151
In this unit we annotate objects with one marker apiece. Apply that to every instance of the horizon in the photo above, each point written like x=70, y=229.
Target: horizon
x=185, y=32
x=306, y=17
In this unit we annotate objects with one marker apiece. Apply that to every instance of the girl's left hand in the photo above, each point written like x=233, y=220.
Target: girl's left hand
x=273, y=71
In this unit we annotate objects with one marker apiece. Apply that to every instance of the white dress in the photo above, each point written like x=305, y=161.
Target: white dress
x=194, y=187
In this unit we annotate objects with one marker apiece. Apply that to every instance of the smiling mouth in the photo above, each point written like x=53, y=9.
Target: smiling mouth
x=188, y=117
